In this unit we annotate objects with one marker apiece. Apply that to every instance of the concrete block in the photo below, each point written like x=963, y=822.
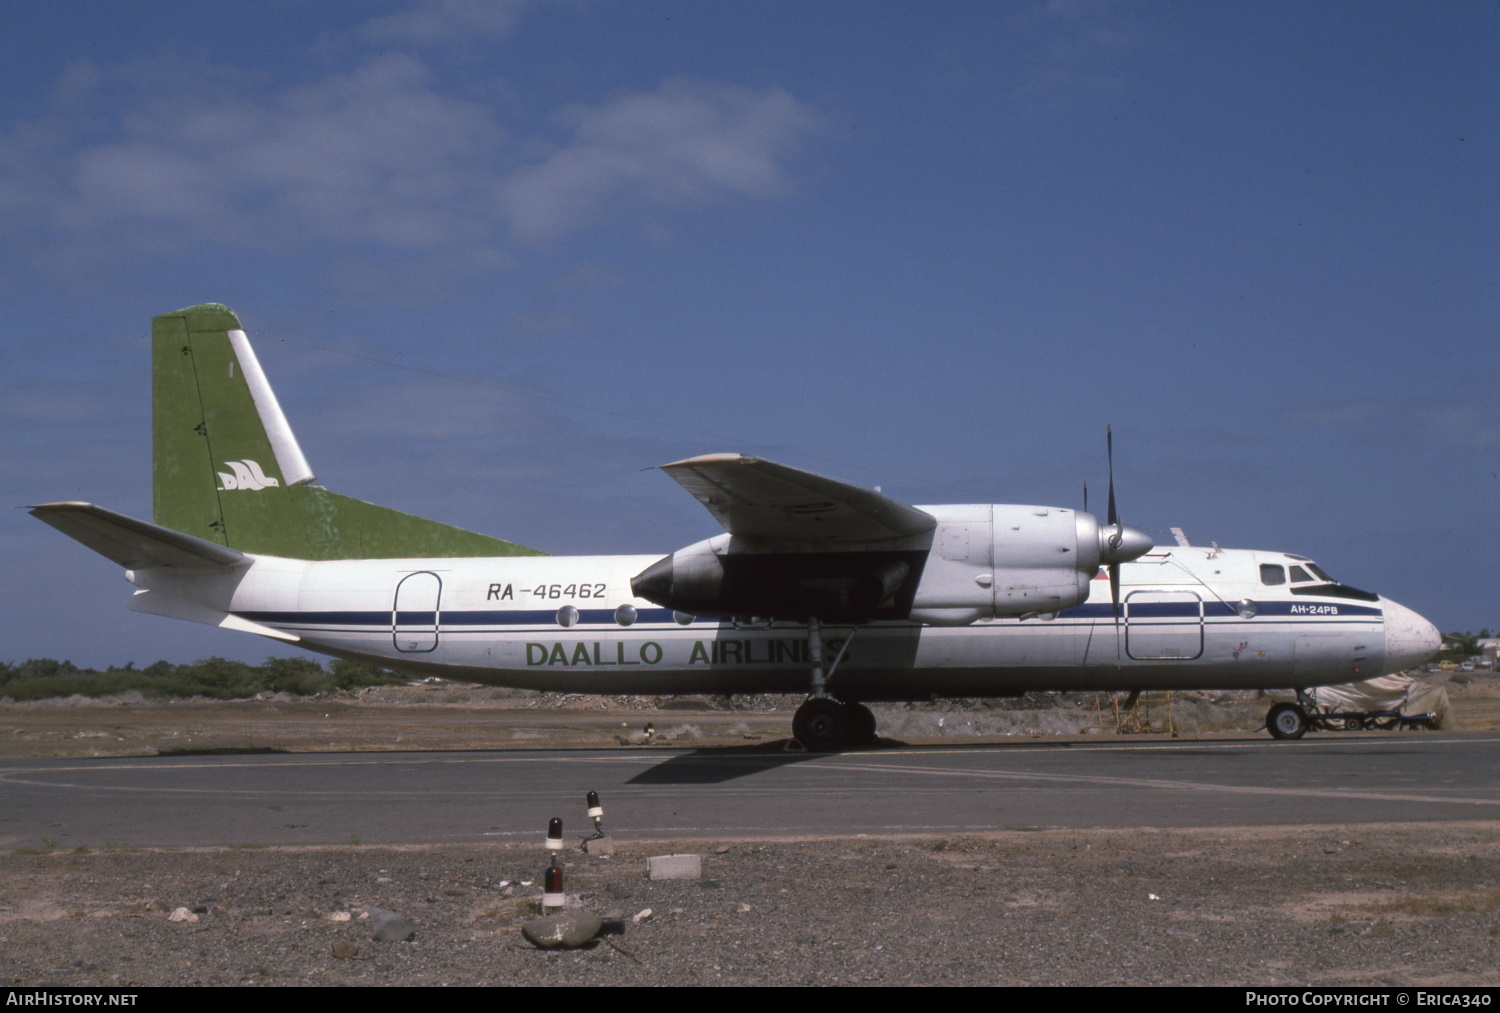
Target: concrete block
x=675, y=867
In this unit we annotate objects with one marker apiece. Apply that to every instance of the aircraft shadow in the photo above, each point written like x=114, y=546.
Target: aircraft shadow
x=717, y=765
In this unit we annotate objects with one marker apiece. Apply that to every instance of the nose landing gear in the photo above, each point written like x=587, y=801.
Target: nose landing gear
x=1286, y=721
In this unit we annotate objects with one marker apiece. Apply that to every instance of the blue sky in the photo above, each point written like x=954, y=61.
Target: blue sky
x=500, y=257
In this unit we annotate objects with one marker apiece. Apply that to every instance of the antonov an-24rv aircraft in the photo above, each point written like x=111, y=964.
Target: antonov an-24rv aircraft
x=816, y=585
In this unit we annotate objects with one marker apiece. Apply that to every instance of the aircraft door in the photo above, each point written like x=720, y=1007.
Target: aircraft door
x=1163, y=625
x=415, y=615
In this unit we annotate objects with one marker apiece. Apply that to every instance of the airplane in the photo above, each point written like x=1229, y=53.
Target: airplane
x=815, y=586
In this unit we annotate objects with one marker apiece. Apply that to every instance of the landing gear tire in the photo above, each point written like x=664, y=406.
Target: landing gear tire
x=822, y=725
x=1286, y=721
x=861, y=725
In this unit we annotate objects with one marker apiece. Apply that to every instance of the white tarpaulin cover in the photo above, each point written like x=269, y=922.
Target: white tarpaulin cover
x=1411, y=697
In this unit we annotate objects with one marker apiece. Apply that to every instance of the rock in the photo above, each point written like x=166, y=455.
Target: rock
x=344, y=950
x=389, y=927
x=566, y=930
x=674, y=866
x=643, y=915
x=601, y=846
x=182, y=914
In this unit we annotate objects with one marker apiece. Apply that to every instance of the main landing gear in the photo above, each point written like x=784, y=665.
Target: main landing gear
x=823, y=724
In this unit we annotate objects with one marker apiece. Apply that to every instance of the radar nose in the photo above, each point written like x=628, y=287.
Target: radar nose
x=1409, y=639
x=1119, y=543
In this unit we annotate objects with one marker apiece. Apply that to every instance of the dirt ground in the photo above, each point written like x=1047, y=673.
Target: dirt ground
x=444, y=716
x=1389, y=905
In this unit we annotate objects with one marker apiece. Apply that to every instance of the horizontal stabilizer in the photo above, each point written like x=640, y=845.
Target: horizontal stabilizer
x=133, y=544
x=765, y=501
x=153, y=603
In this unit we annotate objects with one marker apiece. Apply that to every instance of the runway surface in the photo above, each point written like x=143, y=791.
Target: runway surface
x=435, y=798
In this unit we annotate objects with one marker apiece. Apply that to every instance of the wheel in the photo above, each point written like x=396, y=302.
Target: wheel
x=1286, y=721
x=861, y=724
x=822, y=725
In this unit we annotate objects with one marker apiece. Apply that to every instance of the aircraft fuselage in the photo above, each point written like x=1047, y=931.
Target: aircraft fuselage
x=1189, y=618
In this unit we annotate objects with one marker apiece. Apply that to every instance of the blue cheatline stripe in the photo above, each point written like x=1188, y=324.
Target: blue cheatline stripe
x=1093, y=611
x=1211, y=609
x=524, y=617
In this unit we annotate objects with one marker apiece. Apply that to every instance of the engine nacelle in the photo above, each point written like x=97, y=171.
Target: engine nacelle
x=991, y=560
x=722, y=577
x=981, y=561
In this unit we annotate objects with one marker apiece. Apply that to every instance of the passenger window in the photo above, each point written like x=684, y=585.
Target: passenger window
x=1300, y=575
x=1270, y=573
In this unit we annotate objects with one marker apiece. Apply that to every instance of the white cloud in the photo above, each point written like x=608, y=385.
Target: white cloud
x=444, y=23
x=164, y=157
x=377, y=155
x=685, y=143
x=1076, y=42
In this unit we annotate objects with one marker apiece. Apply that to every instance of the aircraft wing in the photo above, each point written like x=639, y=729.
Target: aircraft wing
x=131, y=543
x=764, y=501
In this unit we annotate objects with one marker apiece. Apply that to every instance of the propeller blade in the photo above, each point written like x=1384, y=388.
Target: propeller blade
x=1115, y=537
x=1109, y=447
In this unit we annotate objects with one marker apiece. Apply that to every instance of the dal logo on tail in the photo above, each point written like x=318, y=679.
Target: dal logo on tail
x=247, y=475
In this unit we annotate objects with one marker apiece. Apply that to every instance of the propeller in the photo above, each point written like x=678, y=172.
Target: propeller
x=1116, y=532
x=1117, y=543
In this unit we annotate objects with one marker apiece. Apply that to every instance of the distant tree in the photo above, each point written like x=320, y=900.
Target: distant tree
x=45, y=668
x=355, y=674
x=1459, y=646
x=294, y=675
x=220, y=678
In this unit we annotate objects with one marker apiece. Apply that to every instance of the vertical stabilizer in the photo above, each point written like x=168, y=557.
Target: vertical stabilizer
x=228, y=469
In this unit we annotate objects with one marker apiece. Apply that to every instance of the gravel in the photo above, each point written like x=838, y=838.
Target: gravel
x=1413, y=904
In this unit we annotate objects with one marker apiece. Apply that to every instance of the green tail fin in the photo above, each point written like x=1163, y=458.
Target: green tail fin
x=228, y=468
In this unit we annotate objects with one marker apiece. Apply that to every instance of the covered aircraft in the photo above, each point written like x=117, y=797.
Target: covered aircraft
x=816, y=586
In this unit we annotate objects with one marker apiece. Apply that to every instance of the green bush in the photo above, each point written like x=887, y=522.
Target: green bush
x=218, y=678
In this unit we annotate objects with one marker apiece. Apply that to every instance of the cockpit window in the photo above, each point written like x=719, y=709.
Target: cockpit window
x=1300, y=576
x=1319, y=573
x=1270, y=573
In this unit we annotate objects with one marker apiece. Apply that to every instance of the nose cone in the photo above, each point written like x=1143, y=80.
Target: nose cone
x=1409, y=639
x=1121, y=544
x=654, y=583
